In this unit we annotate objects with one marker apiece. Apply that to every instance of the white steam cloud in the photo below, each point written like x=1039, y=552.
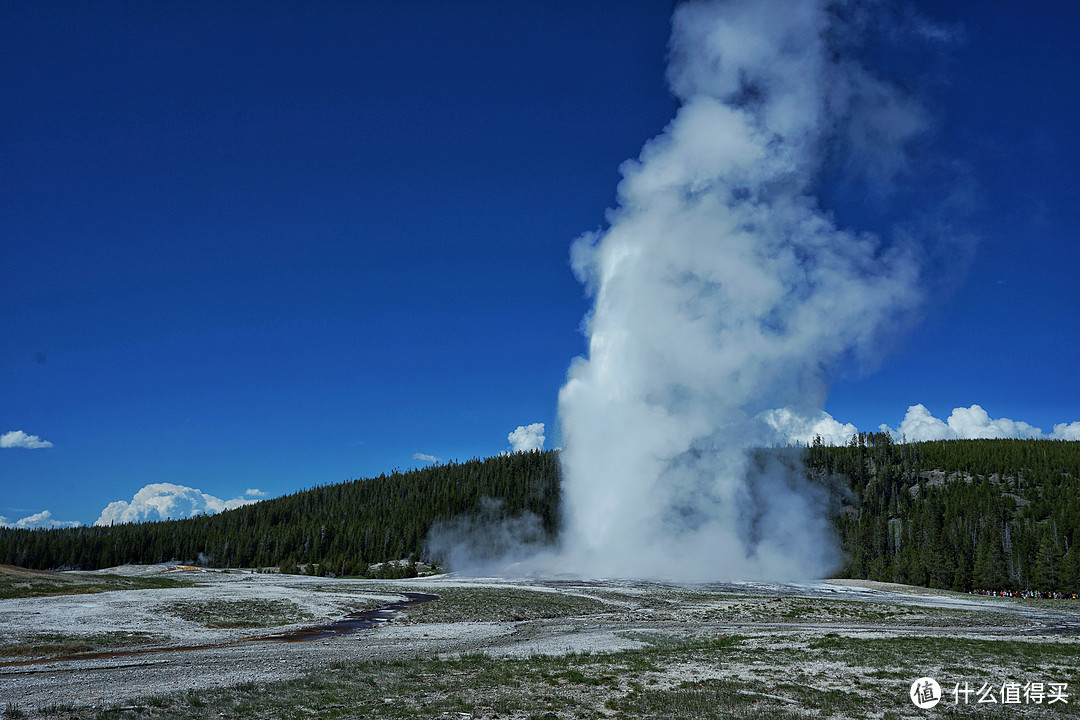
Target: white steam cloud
x=424, y=457
x=527, y=437
x=722, y=290
x=794, y=429
x=487, y=542
x=19, y=439
x=162, y=501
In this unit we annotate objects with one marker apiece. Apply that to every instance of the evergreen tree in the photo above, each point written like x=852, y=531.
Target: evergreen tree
x=990, y=571
x=992, y=514
x=1048, y=563
x=1070, y=567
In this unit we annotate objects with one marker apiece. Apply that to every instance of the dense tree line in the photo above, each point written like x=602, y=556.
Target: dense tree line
x=959, y=514
x=339, y=528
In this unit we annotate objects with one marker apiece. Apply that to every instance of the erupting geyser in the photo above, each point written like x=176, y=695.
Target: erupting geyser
x=722, y=290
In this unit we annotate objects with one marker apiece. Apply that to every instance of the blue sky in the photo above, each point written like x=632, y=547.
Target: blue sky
x=253, y=246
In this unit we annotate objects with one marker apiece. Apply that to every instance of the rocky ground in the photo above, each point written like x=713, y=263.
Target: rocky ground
x=113, y=649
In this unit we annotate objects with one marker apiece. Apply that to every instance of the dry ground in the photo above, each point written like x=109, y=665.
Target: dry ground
x=162, y=642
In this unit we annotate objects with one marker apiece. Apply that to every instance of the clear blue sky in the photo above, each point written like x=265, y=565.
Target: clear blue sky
x=251, y=245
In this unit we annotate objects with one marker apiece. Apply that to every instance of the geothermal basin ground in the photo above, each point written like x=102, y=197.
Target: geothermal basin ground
x=174, y=642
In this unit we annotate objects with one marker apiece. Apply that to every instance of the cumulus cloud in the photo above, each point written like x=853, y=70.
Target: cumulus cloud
x=424, y=457
x=19, y=439
x=254, y=492
x=527, y=437
x=1067, y=431
x=43, y=519
x=972, y=423
x=918, y=425
x=162, y=501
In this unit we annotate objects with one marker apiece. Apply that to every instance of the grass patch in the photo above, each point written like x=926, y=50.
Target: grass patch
x=21, y=583
x=501, y=605
x=819, y=611
x=704, y=701
x=238, y=613
x=783, y=609
x=421, y=688
x=682, y=672
x=947, y=652
x=744, y=678
x=59, y=710
x=53, y=644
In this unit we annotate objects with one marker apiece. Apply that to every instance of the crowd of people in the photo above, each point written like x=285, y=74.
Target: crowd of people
x=1026, y=594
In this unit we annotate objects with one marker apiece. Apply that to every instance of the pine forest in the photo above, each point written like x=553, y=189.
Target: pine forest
x=957, y=514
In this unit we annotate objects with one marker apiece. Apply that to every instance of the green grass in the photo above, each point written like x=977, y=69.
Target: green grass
x=53, y=644
x=951, y=653
x=578, y=685
x=502, y=605
x=65, y=711
x=724, y=607
x=237, y=613
x=836, y=612
x=703, y=701
x=681, y=673
x=749, y=678
x=21, y=583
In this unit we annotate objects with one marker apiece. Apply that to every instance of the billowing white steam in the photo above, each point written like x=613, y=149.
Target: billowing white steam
x=722, y=290
x=792, y=428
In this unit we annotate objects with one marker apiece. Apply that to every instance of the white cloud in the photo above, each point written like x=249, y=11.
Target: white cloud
x=918, y=425
x=974, y=422
x=424, y=457
x=42, y=519
x=161, y=501
x=527, y=437
x=1070, y=431
x=19, y=439
x=793, y=428
x=254, y=492
x=971, y=423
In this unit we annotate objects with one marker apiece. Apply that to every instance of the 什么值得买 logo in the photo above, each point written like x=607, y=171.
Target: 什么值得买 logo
x=925, y=693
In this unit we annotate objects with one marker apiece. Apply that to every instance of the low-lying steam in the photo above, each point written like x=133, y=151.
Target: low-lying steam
x=722, y=290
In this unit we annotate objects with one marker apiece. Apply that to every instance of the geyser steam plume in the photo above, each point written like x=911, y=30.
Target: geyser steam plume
x=722, y=290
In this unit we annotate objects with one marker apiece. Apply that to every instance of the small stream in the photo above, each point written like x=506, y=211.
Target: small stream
x=349, y=624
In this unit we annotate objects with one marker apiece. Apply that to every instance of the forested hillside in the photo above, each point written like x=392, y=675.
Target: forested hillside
x=958, y=514
x=342, y=527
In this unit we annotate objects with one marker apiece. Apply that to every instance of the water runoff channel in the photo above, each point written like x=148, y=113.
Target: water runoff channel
x=360, y=620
